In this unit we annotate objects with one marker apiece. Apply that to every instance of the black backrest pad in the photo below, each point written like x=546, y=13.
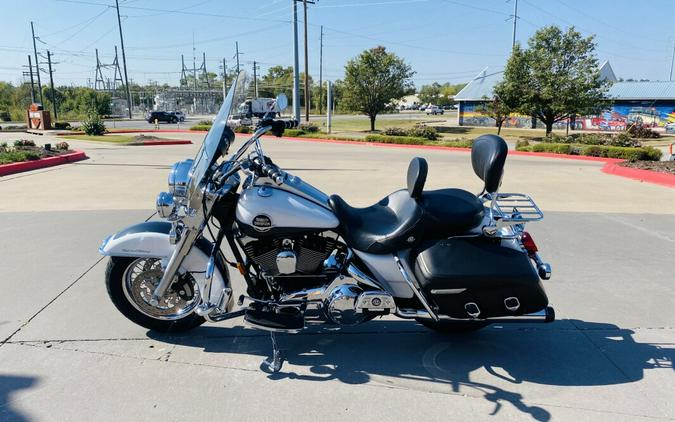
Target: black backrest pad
x=417, y=176
x=488, y=155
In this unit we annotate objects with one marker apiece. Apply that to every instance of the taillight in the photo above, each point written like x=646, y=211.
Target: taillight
x=528, y=243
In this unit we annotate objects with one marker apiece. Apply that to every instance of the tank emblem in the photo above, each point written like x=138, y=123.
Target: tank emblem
x=262, y=223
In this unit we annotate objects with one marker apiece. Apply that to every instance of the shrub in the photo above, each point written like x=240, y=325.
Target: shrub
x=456, y=143
x=294, y=132
x=200, y=127
x=5, y=116
x=24, y=143
x=308, y=127
x=522, y=143
x=62, y=125
x=93, y=125
x=395, y=131
x=623, y=140
x=638, y=131
x=3, y=147
x=410, y=140
x=204, y=123
x=62, y=145
x=241, y=129
x=423, y=131
x=624, y=153
x=18, y=156
x=592, y=151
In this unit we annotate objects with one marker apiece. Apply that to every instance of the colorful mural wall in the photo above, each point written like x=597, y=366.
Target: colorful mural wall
x=621, y=115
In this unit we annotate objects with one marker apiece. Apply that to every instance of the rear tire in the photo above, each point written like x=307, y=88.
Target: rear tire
x=115, y=278
x=452, y=327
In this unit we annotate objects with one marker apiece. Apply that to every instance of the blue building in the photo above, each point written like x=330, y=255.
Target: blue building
x=649, y=103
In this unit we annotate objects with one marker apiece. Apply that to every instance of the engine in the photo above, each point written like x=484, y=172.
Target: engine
x=283, y=256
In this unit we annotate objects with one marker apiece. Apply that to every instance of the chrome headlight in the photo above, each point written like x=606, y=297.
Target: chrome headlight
x=165, y=204
x=179, y=178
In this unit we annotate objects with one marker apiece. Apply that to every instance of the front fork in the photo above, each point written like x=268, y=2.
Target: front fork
x=183, y=245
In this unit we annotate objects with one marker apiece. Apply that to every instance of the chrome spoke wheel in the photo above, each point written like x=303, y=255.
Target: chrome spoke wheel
x=139, y=281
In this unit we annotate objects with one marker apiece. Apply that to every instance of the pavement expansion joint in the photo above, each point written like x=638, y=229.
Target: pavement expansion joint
x=490, y=393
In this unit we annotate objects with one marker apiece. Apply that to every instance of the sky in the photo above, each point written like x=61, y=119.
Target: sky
x=443, y=40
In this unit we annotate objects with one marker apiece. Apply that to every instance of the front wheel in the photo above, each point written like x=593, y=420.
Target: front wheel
x=130, y=283
x=450, y=327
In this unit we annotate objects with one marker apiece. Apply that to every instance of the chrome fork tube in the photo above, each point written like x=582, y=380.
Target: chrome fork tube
x=182, y=249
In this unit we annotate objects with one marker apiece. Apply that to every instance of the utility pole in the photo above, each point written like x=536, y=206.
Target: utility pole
x=329, y=105
x=32, y=84
x=224, y=79
x=236, y=46
x=51, y=84
x=321, y=72
x=515, y=20
x=37, y=66
x=307, y=93
x=124, y=57
x=296, y=65
x=255, y=80
x=672, y=61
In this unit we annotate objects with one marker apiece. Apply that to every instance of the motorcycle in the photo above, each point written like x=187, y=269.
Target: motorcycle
x=451, y=260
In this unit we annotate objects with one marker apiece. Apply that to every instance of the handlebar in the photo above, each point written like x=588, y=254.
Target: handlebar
x=278, y=126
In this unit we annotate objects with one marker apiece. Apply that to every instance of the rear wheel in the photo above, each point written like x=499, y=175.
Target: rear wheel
x=449, y=327
x=130, y=283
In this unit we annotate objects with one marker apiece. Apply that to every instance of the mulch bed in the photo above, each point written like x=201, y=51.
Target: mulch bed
x=667, y=167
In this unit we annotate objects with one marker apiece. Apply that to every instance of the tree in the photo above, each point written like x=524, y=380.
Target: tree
x=430, y=94
x=556, y=77
x=498, y=110
x=373, y=80
x=438, y=94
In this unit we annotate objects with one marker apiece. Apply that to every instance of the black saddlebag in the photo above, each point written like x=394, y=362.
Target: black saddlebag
x=465, y=275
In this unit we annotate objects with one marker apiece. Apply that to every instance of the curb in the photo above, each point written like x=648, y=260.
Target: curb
x=12, y=168
x=648, y=176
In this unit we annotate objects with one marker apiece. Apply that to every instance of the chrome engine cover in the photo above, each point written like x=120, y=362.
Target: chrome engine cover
x=340, y=305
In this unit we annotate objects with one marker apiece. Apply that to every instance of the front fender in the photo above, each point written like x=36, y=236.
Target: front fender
x=151, y=240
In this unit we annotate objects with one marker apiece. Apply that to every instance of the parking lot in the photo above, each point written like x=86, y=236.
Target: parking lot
x=69, y=353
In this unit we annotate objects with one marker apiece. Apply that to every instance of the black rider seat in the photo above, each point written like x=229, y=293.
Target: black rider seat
x=406, y=217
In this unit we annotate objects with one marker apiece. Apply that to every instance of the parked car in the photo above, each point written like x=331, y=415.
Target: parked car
x=422, y=108
x=670, y=127
x=434, y=110
x=180, y=115
x=161, y=116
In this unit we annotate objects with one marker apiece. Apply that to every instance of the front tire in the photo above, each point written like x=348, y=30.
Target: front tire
x=130, y=296
x=452, y=327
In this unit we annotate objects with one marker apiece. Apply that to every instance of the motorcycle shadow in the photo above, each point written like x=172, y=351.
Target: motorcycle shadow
x=487, y=363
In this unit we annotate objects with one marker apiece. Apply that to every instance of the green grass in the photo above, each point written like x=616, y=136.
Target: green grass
x=114, y=139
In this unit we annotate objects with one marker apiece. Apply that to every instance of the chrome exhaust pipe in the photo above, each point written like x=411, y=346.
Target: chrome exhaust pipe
x=545, y=315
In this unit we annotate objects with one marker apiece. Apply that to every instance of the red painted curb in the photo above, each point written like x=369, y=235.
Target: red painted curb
x=12, y=168
x=649, y=176
x=158, y=143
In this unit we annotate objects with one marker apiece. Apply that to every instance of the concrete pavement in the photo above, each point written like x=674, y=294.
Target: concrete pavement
x=71, y=356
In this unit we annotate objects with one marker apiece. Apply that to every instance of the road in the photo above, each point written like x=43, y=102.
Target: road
x=69, y=355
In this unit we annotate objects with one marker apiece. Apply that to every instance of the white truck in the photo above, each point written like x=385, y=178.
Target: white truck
x=254, y=107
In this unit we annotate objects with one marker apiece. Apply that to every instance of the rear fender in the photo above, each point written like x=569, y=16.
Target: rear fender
x=151, y=240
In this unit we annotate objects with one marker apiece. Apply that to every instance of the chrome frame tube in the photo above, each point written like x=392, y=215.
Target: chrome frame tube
x=415, y=290
x=182, y=249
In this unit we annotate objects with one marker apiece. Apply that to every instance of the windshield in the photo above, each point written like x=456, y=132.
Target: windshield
x=207, y=153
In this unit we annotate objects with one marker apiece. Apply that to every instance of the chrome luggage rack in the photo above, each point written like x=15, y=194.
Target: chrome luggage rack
x=510, y=209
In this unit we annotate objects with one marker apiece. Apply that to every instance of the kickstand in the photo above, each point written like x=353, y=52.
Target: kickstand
x=274, y=362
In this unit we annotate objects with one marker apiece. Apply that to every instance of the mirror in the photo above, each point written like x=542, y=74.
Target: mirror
x=282, y=101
